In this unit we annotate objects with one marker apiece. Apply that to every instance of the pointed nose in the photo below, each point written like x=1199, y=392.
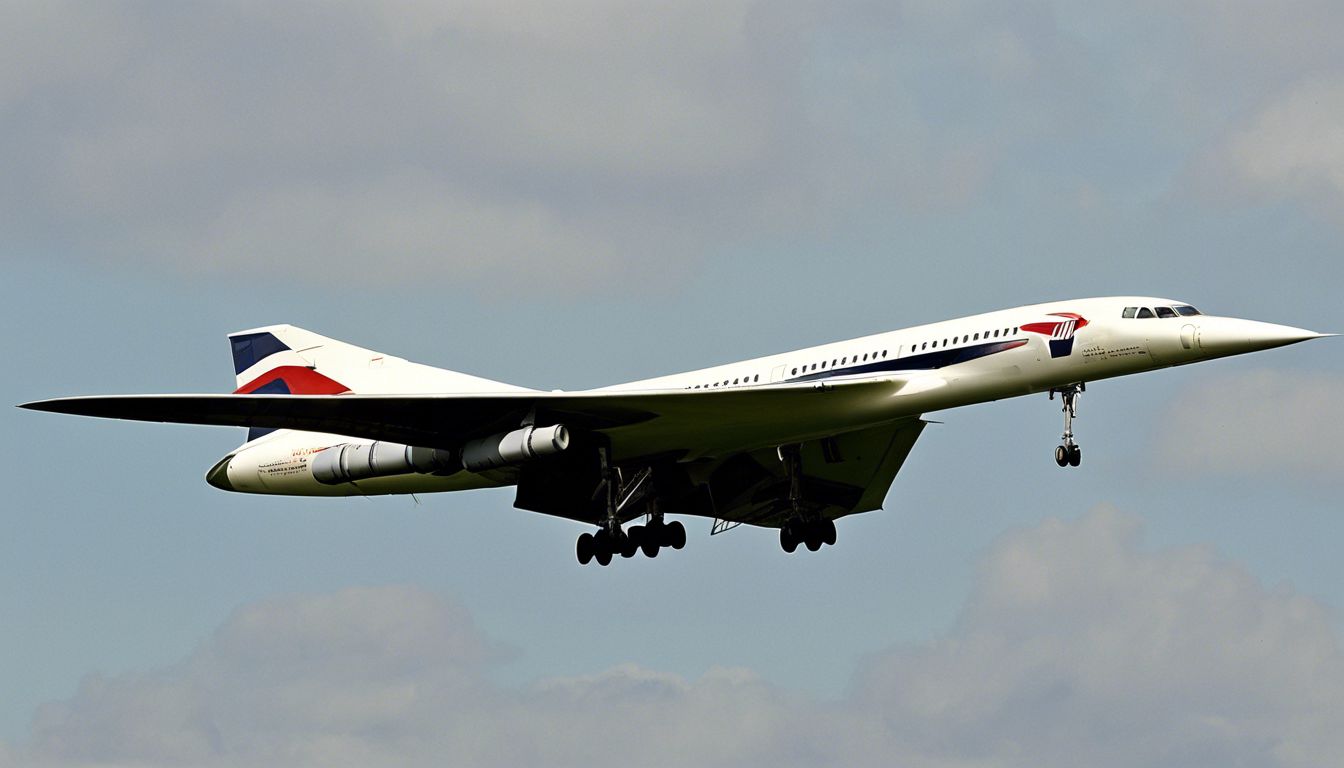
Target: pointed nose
x=1234, y=336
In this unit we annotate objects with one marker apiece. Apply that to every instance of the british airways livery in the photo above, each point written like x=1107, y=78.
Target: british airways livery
x=792, y=441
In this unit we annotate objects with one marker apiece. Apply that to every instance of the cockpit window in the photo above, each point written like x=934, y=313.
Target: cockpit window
x=1185, y=310
x=1166, y=312
x=1145, y=312
x=1129, y=312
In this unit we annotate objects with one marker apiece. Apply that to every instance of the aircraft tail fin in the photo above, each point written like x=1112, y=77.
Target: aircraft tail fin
x=288, y=360
x=270, y=361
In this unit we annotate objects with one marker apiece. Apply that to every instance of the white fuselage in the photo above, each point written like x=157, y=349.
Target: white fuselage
x=941, y=365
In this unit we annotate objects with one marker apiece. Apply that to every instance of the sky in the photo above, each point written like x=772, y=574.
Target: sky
x=571, y=195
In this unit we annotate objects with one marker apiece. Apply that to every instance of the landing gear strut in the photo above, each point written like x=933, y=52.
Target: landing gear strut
x=1068, y=454
x=611, y=540
x=810, y=530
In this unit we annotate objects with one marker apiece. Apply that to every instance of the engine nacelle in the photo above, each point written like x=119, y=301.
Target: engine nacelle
x=516, y=447
x=360, y=461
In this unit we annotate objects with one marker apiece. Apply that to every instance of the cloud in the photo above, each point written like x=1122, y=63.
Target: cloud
x=477, y=140
x=1075, y=642
x=584, y=146
x=1258, y=422
x=1292, y=148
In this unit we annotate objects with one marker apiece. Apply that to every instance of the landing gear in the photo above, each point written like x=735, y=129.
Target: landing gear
x=812, y=533
x=1068, y=454
x=610, y=540
x=809, y=530
x=650, y=539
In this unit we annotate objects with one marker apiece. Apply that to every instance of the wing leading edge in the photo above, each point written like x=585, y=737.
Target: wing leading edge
x=638, y=423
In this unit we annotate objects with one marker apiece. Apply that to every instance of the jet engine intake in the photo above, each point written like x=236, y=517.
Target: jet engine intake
x=514, y=447
x=360, y=461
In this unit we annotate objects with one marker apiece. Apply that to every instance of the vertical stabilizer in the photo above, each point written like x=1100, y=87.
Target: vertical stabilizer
x=288, y=360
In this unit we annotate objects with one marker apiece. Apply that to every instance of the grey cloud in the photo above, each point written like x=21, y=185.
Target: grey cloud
x=586, y=144
x=1075, y=644
x=1293, y=147
x=1258, y=422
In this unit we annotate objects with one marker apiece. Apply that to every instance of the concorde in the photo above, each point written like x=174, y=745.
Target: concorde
x=791, y=441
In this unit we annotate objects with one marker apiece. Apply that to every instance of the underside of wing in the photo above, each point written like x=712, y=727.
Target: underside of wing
x=836, y=475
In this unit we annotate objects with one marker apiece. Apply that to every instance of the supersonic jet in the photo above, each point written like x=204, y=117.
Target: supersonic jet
x=791, y=441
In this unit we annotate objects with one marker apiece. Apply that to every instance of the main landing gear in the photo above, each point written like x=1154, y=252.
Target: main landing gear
x=611, y=540
x=1068, y=454
x=812, y=530
x=649, y=539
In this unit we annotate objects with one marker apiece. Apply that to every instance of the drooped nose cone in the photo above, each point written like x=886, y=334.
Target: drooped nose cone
x=1234, y=336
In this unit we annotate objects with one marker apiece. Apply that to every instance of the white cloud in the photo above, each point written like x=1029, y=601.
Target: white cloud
x=1076, y=644
x=1258, y=422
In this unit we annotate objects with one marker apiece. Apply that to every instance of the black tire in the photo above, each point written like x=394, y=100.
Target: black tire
x=787, y=542
x=603, y=557
x=1075, y=456
x=585, y=548
x=627, y=546
x=828, y=531
x=677, y=534
x=637, y=534
x=650, y=548
x=813, y=541
x=1061, y=456
x=656, y=532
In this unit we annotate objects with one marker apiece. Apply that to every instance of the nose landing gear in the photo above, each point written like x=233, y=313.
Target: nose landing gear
x=1068, y=454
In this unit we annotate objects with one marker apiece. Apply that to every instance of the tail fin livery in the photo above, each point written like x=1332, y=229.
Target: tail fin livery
x=288, y=360
x=266, y=365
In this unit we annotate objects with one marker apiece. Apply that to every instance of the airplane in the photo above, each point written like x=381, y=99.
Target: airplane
x=792, y=441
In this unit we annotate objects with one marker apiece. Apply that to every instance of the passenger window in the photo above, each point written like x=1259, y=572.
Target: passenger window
x=1145, y=313
x=1166, y=312
x=1129, y=312
x=976, y=337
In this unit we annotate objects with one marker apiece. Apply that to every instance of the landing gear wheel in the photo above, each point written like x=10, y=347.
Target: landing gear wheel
x=676, y=534
x=787, y=541
x=650, y=547
x=828, y=532
x=1061, y=456
x=602, y=550
x=627, y=546
x=813, y=537
x=1075, y=455
x=585, y=548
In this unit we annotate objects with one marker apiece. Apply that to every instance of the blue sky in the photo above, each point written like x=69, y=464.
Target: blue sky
x=570, y=197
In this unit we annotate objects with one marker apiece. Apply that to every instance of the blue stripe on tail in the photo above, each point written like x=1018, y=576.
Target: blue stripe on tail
x=277, y=387
x=252, y=348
